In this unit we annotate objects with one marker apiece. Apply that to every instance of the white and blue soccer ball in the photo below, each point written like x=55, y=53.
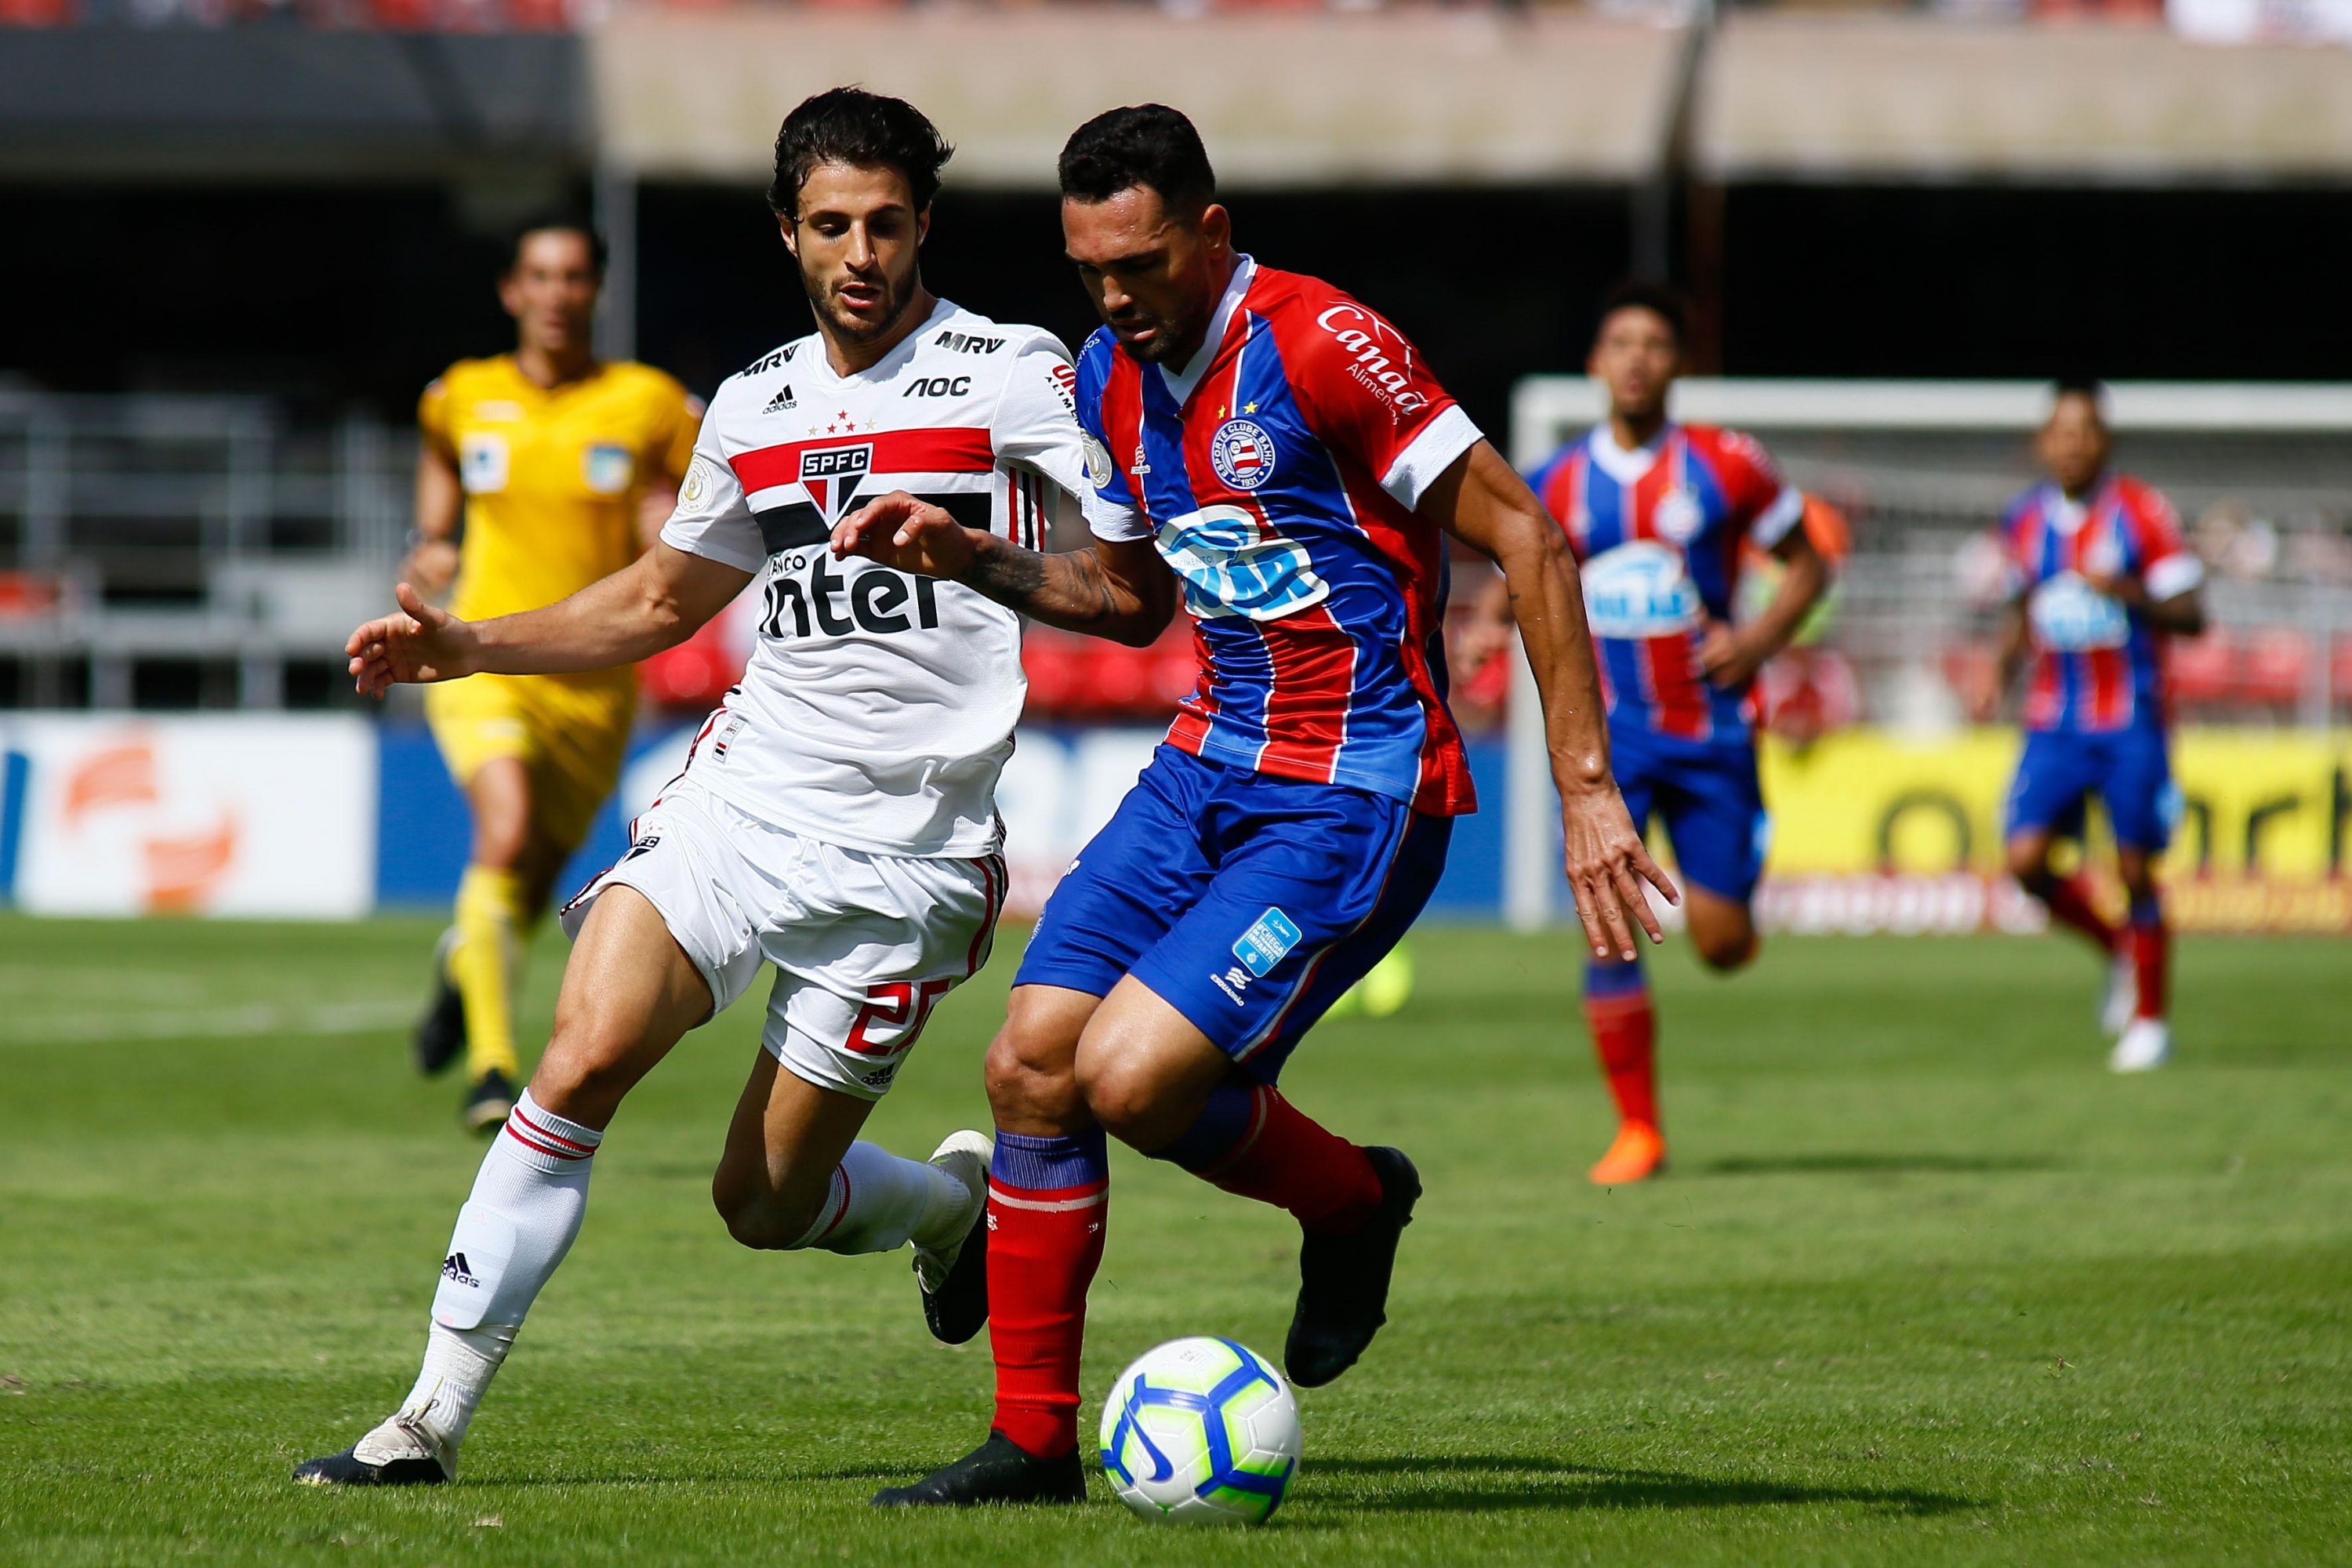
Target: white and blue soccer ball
x=1201, y=1431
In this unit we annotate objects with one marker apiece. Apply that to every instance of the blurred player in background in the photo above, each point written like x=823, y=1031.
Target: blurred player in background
x=2100, y=581
x=539, y=472
x=1658, y=513
x=1280, y=457
x=837, y=816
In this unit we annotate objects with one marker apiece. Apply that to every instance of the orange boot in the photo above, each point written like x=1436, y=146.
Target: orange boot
x=1638, y=1153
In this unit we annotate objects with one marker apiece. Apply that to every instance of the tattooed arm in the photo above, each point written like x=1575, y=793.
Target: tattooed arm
x=1118, y=589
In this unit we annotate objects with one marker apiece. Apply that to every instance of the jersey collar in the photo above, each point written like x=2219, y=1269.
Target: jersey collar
x=1626, y=468
x=1180, y=383
x=890, y=365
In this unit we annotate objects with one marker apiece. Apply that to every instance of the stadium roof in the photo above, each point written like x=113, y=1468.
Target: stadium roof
x=1286, y=99
x=1907, y=98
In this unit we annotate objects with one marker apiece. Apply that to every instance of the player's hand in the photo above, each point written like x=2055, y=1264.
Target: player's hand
x=1726, y=656
x=912, y=535
x=422, y=644
x=432, y=565
x=1606, y=869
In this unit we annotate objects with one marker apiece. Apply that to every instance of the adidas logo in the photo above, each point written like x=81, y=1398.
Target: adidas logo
x=455, y=1268
x=783, y=400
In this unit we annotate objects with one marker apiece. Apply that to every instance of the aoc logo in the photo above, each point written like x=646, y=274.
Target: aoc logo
x=1384, y=360
x=1243, y=453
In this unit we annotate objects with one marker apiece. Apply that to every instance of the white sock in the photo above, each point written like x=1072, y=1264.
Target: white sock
x=880, y=1202
x=515, y=1228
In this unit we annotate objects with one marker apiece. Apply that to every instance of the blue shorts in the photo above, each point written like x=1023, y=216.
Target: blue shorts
x=1707, y=794
x=2127, y=769
x=1248, y=903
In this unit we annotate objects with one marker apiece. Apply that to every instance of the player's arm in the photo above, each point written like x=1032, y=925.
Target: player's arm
x=1481, y=502
x=2182, y=612
x=1731, y=654
x=1118, y=588
x=440, y=502
x=655, y=601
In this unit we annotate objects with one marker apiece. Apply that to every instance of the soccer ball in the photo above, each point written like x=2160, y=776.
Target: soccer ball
x=1201, y=1431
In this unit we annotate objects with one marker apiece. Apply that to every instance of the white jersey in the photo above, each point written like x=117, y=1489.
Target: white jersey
x=878, y=707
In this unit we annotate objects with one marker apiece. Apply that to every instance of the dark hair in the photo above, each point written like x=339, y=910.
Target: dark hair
x=1147, y=145
x=863, y=130
x=559, y=223
x=2088, y=387
x=1646, y=294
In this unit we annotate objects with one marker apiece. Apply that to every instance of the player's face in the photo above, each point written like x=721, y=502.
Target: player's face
x=551, y=291
x=1154, y=278
x=1635, y=357
x=2073, y=444
x=860, y=244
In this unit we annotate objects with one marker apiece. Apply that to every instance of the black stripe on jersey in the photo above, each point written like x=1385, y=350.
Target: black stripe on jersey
x=798, y=525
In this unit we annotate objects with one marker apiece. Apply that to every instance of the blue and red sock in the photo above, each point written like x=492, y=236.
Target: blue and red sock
x=2150, y=944
x=1251, y=1141
x=1625, y=1035
x=1048, y=1200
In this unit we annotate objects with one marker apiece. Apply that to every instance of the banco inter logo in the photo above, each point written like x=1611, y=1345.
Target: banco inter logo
x=455, y=1268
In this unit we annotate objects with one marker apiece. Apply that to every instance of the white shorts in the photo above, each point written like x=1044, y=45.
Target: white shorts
x=864, y=945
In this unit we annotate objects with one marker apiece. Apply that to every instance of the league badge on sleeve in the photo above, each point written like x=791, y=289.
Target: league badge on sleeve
x=1243, y=453
x=1098, y=468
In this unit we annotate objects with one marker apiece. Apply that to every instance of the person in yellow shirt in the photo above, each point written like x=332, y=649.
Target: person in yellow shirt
x=539, y=472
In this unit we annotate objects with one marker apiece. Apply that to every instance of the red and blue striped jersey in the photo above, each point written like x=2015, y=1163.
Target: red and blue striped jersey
x=2098, y=664
x=1657, y=534
x=1278, y=475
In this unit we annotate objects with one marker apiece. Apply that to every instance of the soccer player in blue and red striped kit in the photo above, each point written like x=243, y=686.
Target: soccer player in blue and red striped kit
x=1277, y=454
x=2100, y=582
x=1658, y=512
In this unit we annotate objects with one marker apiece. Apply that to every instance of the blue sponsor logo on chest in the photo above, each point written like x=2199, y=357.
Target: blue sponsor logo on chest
x=1266, y=942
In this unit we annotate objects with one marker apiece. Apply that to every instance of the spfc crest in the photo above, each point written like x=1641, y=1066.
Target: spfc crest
x=831, y=475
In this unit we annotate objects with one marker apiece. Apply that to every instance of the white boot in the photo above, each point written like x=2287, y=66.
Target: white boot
x=2146, y=1044
x=2123, y=994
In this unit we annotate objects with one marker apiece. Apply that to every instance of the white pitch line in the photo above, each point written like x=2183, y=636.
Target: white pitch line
x=97, y=1028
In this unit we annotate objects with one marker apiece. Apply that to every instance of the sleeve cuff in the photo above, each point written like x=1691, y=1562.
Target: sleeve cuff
x=1110, y=520
x=1774, y=523
x=2173, y=575
x=1442, y=441
x=710, y=550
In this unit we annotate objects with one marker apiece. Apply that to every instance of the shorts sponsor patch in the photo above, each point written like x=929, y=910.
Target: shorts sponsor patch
x=1266, y=943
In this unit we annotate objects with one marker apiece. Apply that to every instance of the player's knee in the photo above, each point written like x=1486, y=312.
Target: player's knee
x=1028, y=1086
x=1727, y=950
x=2029, y=864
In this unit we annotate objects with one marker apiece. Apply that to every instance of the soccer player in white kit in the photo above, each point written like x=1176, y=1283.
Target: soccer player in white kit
x=836, y=817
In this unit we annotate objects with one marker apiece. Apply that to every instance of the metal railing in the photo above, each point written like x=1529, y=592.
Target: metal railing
x=144, y=529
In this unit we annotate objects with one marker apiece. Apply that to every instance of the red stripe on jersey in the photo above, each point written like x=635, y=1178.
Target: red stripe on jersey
x=1313, y=663
x=1677, y=687
x=1198, y=712
x=950, y=449
x=1445, y=787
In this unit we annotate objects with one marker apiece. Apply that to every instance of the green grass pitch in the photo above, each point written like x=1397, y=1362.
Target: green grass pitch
x=1925, y=1284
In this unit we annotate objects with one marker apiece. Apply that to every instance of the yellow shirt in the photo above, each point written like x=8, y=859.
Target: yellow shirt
x=554, y=478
